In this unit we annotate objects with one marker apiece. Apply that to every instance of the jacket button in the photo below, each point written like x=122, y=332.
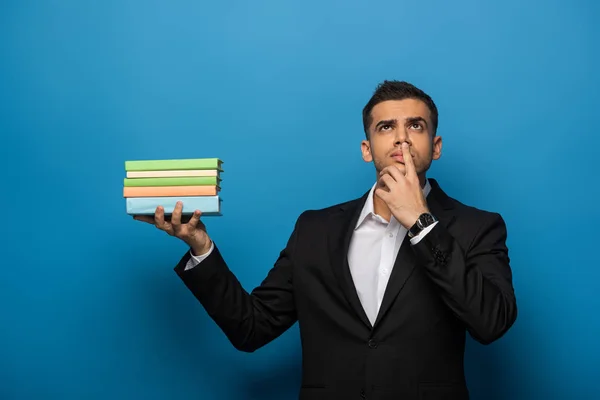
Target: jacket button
x=363, y=394
x=372, y=344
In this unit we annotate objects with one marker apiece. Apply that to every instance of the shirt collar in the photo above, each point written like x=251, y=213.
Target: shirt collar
x=368, y=208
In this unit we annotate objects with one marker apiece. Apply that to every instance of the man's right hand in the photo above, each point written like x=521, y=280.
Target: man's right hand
x=193, y=233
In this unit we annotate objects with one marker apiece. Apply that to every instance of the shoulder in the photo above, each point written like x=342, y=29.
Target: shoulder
x=312, y=224
x=473, y=224
x=322, y=215
x=477, y=216
x=460, y=209
x=471, y=212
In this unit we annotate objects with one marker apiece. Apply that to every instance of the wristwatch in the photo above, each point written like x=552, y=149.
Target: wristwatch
x=423, y=222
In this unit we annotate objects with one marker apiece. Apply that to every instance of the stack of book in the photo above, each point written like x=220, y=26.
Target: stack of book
x=195, y=182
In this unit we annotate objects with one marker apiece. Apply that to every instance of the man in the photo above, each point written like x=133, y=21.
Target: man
x=384, y=287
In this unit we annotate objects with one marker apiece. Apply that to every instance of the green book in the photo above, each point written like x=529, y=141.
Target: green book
x=173, y=181
x=175, y=164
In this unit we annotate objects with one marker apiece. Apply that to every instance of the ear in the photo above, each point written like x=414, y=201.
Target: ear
x=437, y=147
x=365, y=148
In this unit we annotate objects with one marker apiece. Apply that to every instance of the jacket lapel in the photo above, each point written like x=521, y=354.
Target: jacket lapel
x=341, y=227
x=403, y=268
x=439, y=205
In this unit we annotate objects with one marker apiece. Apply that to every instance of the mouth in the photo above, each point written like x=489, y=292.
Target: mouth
x=398, y=156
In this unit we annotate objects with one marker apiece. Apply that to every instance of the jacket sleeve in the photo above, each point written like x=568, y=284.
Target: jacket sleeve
x=249, y=320
x=474, y=282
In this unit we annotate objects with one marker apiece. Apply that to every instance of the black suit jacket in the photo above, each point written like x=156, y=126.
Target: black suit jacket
x=457, y=279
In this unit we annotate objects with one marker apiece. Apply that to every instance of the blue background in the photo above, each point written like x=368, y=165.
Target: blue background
x=90, y=305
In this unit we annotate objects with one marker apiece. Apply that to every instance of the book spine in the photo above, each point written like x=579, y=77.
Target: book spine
x=183, y=164
x=172, y=181
x=173, y=173
x=208, y=205
x=167, y=191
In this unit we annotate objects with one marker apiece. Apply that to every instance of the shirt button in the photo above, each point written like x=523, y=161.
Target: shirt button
x=391, y=235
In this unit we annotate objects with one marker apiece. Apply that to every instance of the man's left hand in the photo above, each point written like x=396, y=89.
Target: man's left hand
x=402, y=192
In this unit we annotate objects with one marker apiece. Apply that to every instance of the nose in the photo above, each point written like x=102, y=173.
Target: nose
x=401, y=136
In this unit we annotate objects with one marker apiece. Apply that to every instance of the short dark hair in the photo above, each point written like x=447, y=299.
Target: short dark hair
x=398, y=90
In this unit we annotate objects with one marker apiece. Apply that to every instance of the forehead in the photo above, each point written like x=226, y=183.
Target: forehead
x=400, y=109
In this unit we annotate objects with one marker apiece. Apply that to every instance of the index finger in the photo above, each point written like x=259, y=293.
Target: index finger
x=408, y=161
x=176, y=214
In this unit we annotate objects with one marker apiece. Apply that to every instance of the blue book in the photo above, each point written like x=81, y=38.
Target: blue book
x=209, y=205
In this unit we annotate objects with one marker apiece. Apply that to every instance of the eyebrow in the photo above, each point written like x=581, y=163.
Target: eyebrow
x=410, y=120
x=386, y=122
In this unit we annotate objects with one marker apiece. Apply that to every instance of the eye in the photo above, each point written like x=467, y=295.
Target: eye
x=416, y=125
x=385, y=127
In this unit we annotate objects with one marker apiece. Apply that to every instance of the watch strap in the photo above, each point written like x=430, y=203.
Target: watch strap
x=424, y=220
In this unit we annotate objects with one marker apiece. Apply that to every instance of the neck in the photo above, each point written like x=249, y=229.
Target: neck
x=381, y=208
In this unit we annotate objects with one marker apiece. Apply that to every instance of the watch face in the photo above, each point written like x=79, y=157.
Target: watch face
x=425, y=220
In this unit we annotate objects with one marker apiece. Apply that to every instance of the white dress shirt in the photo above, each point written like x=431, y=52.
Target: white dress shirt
x=373, y=248
x=372, y=253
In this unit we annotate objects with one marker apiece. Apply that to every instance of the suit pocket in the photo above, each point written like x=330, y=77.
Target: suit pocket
x=443, y=391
